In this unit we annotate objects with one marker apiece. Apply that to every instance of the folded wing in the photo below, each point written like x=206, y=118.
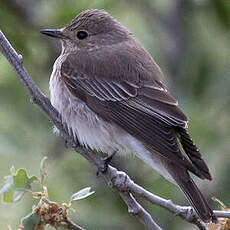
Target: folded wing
x=144, y=108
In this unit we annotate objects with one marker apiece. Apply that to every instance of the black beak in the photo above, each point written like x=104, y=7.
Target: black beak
x=53, y=33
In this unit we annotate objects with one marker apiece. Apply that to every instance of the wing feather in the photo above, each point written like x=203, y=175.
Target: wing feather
x=141, y=106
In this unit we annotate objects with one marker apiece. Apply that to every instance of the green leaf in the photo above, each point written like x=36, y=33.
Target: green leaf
x=15, y=186
x=83, y=193
x=31, y=221
x=22, y=181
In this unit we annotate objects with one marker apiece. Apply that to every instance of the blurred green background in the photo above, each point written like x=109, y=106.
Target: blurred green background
x=190, y=40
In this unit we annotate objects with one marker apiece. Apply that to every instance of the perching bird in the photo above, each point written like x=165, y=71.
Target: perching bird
x=110, y=94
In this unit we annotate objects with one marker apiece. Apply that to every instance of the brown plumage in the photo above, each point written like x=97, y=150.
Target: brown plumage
x=119, y=84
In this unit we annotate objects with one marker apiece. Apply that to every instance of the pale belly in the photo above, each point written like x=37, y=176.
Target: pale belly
x=94, y=132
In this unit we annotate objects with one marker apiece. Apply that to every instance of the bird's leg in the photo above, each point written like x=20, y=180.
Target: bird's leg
x=107, y=161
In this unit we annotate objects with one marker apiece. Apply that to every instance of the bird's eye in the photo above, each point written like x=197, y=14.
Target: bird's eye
x=82, y=35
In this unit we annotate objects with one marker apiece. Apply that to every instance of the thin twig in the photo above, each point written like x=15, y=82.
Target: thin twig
x=116, y=179
x=224, y=214
x=139, y=212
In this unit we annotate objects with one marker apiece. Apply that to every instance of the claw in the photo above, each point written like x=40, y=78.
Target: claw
x=106, y=161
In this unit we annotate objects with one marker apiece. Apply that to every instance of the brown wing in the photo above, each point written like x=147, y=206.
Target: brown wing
x=141, y=106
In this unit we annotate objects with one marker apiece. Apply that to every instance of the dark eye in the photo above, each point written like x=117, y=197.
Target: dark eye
x=82, y=35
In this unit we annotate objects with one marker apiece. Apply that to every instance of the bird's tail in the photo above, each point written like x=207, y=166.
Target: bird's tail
x=193, y=194
x=193, y=153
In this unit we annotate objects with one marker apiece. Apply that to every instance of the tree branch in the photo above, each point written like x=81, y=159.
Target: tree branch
x=116, y=179
x=138, y=211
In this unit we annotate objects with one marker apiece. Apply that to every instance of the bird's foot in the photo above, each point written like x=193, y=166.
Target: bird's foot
x=106, y=161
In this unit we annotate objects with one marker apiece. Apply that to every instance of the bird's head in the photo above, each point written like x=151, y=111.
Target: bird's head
x=89, y=30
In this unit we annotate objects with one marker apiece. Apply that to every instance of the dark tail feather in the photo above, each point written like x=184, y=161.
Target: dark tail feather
x=198, y=202
x=192, y=193
x=193, y=153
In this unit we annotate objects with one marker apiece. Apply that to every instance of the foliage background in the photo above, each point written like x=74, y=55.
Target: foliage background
x=190, y=42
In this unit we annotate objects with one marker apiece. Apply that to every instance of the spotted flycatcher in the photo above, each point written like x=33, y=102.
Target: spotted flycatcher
x=109, y=92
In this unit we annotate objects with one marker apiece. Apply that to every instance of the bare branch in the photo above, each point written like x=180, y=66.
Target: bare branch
x=116, y=179
x=123, y=183
x=224, y=214
x=139, y=212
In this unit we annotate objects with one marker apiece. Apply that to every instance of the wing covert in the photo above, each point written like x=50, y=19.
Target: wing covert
x=144, y=108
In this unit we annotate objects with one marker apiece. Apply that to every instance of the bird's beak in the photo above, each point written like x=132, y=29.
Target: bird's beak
x=54, y=33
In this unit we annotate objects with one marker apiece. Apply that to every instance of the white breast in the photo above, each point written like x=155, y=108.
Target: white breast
x=91, y=130
x=86, y=126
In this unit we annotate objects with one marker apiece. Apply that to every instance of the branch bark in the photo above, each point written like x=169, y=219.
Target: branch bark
x=116, y=179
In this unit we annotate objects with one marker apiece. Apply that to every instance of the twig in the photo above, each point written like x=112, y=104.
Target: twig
x=224, y=214
x=116, y=179
x=139, y=212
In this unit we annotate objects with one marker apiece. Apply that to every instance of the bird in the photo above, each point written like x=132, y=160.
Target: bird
x=110, y=94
